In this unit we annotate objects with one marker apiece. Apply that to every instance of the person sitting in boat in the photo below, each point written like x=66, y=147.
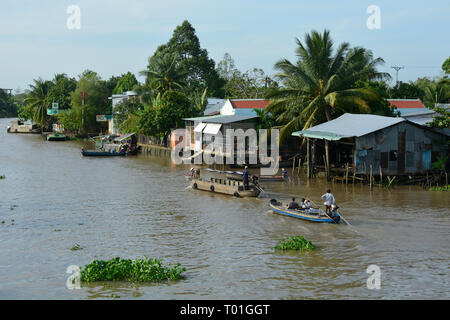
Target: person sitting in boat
x=307, y=204
x=293, y=205
x=245, y=178
x=329, y=200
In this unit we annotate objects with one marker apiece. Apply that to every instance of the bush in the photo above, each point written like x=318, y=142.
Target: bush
x=138, y=270
x=295, y=243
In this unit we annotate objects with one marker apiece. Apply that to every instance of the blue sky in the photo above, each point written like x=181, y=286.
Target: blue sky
x=117, y=36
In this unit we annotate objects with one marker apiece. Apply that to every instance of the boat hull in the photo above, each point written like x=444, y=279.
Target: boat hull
x=312, y=215
x=89, y=153
x=224, y=186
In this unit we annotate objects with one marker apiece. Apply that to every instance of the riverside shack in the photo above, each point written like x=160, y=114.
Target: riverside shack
x=202, y=128
x=365, y=143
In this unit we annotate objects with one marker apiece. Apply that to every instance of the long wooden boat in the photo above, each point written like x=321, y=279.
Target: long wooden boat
x=225, y=186
x=313, y=215
x=56, y=137
x=95, y=153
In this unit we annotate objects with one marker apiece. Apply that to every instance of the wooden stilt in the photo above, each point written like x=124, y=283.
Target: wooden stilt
x=381, y=177
x=308, y=160
x=327, y=159
x=370, y=179
x=346, y=173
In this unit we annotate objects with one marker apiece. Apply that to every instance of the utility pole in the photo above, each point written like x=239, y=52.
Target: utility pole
x=397, y=69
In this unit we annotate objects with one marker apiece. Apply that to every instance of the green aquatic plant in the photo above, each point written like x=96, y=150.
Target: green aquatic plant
x=443, y=188
x=295, y=243
x=2, y=177
x=137, y=270
x=76, y=246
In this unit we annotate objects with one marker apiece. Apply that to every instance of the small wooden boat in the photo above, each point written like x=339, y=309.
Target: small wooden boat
x=95, y=153
x=56, y=137
x=225, y=186
x=313, y=215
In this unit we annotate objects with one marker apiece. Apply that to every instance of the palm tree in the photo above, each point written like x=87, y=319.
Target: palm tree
x=163, y=73
x=321, y=84
x=37, y=100
x=436, y=92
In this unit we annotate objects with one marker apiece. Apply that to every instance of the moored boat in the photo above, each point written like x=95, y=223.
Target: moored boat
x=96, y=153
x=225, y=186
x=56, y=137
x=313, y=215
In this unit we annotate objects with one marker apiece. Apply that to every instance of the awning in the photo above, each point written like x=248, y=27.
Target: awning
x=124, y=137
x=200, y=127
x=319, y=135
x=212, y=128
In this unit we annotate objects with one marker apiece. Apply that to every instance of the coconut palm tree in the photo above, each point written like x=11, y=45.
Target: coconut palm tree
x=321, y=84
x=163, y=73
x=37, y=100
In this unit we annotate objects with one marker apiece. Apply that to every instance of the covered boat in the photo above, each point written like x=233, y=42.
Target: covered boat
x=313, y=215
x=225, y=186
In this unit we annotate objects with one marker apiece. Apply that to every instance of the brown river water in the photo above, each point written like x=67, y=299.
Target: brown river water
x=53, y=198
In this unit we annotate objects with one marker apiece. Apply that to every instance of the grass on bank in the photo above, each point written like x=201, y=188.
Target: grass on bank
x=137, y=270
x=298, y=243
x=443, y=188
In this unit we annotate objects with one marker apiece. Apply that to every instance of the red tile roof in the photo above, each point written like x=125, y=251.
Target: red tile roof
x=406, y=103
x=250, y=104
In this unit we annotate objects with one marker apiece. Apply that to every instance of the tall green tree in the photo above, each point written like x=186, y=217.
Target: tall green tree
x=61, y=91
x=166, y=114
x=126, y=83
x=446, y=66
x=37, y=102
x=198, y=69
x=7, y=106
x=320, y=85
x=96, y=103
x=164, y=73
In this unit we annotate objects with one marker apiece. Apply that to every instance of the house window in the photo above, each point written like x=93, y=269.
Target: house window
x=393, y=155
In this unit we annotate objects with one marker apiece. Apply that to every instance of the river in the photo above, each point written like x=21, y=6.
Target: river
x=53, y=198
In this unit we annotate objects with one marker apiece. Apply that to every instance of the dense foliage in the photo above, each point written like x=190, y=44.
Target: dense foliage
x=166, y=114
x=295, y=243
x=195, y=69
x=7, y=106
x=137, y=270
x=320, y=85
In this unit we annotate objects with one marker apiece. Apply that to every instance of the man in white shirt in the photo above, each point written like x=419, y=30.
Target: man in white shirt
x=329, y=200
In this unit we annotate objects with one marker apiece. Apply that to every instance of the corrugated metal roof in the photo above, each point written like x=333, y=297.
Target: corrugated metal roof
x=221, y=119
x=349, y=125
x=214, y=105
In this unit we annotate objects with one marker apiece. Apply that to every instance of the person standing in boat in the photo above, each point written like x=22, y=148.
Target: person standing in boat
x=245, y=178
x=284, y=173
x=329, y=200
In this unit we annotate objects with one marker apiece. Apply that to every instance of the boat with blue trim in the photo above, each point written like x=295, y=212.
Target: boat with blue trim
x=312, y=214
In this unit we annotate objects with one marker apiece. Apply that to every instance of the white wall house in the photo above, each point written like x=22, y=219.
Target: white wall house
x=117, y=99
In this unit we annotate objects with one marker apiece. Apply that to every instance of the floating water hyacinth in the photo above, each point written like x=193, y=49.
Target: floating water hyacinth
x=137, y=270
x=295, y=243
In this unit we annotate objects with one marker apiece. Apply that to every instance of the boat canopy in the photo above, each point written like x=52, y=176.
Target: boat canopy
x=120, y=139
